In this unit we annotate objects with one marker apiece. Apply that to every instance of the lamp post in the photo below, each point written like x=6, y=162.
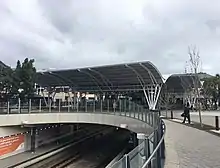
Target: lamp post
x=19, y=100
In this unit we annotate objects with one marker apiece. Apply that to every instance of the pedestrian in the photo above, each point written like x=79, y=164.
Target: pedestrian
x=186, y=113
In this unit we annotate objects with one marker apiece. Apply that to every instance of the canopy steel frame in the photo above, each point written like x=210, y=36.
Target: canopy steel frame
x=130, y=77
x=92, y=77
x=104, y=79
x=153, y=89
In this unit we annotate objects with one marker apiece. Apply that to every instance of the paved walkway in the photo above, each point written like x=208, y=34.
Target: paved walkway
x=208, y=117
x=188, y=147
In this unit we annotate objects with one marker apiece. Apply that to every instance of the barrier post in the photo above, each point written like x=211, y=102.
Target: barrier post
x=171, y=114
x=216, y=123
x=163, y=143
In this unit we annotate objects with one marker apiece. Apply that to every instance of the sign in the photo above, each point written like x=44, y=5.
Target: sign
x=11, y=144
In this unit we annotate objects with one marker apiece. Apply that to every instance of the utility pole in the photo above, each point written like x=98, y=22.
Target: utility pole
x=195, y=61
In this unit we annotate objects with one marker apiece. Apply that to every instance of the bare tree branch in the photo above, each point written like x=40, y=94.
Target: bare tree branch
x=194, y=58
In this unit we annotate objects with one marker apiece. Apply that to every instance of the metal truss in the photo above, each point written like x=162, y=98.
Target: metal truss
x=95, y=80
x=104, y=79
x=151, y=91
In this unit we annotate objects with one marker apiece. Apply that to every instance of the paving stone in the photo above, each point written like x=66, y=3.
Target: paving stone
x=190, y=147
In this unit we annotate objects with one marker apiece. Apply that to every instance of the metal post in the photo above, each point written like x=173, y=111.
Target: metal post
x=138, y=109
x=154, y=161
x=126, y=162
x=149, y=117
x=163, y=143
x=59, y=105
x=101, y=104
x=29, y=108
x=130, y=107
x=159, y=150
x=147, y=150
x=142, y=114
x=40, y=106
x=74, y=101
x=77, y=104
x=146, y=117
x=216, y=123
x=49, y=105
x=8, y=107
x=68, y=108
x=107, y=105
x=114, y=106
x=33, y=139
x=93, y=105
x=135, y=109
x=85, y=105
x=119, y=106
x=142, y=158
x=19, y=105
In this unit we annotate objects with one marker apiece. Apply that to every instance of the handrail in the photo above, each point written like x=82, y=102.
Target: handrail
x=125, y=108
x=157, y=147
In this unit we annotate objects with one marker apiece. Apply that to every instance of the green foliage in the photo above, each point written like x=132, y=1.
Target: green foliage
x=211, y=87
x=20, y=81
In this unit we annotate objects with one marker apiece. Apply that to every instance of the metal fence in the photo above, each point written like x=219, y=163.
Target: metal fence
x=121, y=107
x=150, y=151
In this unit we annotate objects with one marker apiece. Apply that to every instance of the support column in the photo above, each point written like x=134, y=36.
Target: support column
x=151, y=94
x=33, y=139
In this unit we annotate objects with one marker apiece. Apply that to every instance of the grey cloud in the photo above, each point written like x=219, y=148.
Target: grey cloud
x=73, y=33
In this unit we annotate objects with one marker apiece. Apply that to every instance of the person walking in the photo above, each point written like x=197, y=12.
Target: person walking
x=186, y=113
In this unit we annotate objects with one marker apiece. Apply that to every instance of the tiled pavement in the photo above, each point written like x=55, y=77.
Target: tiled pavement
x=187, y=147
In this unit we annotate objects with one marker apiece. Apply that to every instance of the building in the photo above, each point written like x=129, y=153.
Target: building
x=180, y=88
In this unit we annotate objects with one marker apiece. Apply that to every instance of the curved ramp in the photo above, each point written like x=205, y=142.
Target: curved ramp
x=126, y=122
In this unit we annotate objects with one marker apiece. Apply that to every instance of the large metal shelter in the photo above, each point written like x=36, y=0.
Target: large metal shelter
x=180, y=83
x=141, y=76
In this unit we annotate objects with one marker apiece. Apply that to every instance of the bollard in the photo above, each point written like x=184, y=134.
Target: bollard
x=216, y=123
x=171, y=114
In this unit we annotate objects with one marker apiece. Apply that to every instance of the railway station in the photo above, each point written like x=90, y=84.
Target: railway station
x=86, y=107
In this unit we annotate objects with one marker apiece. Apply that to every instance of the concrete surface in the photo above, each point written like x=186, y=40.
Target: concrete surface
x=129, y=123
x=187, y=147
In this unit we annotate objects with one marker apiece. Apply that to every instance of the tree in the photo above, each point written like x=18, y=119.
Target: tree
x=194, y=59
x=26, y=75
x=18, y=82
x=211, y=89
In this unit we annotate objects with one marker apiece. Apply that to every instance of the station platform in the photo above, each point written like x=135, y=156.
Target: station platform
x=21, y=157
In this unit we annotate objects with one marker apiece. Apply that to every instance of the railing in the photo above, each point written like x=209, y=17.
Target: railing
x=150, y=151
x=122, y=107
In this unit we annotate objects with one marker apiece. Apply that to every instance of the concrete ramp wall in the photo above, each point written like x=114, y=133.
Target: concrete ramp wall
x=131, y=124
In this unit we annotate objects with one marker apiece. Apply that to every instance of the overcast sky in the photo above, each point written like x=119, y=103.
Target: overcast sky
x=78, y=33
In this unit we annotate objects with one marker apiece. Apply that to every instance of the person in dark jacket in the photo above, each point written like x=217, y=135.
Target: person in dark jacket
x=186, y=113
